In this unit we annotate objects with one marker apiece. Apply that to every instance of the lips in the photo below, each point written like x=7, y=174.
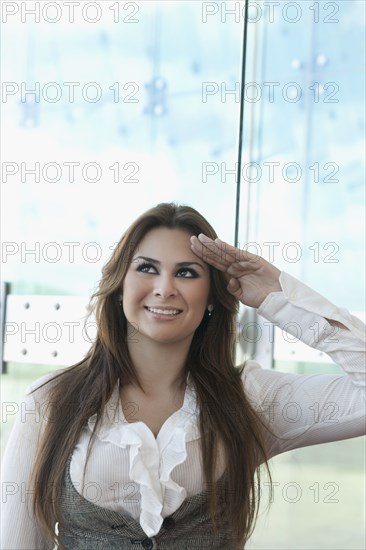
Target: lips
x=160, y=310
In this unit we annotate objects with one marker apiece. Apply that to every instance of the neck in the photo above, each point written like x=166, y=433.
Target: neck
x=161, y=368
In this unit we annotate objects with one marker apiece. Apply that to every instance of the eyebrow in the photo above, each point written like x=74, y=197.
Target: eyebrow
x=179, y=264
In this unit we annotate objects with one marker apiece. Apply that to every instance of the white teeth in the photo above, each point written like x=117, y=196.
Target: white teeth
x=164, y=312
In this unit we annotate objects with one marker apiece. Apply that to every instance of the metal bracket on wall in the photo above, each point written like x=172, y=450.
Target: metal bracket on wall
x=45, y=330
x=5, y=290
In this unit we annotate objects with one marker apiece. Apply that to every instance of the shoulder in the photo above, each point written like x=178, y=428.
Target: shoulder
x=249, y=374
x=38, y=390
x=249, y=368
x=259, y=382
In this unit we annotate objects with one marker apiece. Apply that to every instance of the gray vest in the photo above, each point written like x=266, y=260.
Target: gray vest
x=87, y=526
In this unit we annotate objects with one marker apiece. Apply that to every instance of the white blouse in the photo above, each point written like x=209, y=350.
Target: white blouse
x=131, y=472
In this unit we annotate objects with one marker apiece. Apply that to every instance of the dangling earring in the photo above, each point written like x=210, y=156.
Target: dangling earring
x=210, y=309
x=120, y=299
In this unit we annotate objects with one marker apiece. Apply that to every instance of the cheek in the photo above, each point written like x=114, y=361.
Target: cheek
x=135, y=289
x=199, y=295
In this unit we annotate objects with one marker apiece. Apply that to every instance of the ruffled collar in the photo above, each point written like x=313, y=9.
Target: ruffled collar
x=151, y=461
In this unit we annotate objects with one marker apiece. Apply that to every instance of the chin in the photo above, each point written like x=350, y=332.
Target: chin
x=166, y=339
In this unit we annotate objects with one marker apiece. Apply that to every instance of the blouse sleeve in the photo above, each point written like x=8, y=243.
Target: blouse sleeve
x=19, y=528
x=302, y=410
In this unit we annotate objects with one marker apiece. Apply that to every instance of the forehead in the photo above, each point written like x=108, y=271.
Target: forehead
x=163, y=237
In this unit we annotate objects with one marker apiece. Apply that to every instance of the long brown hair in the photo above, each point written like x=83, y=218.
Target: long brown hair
x=83, y=389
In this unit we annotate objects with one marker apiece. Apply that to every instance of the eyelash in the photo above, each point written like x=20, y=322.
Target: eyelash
x=193, y=273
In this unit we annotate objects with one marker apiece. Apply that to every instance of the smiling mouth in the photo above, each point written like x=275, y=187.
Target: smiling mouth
x=168, y=312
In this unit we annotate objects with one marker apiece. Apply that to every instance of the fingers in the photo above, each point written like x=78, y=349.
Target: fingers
x=208, y=251
x=233, y=285
x=221, y=255
x=235, y=289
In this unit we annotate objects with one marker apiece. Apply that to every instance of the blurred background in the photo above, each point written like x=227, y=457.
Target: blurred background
x=111, y=107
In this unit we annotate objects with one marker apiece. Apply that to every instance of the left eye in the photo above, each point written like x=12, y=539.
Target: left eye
x=188, y=273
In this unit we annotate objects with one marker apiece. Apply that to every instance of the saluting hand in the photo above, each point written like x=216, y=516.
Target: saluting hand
x=252, y=277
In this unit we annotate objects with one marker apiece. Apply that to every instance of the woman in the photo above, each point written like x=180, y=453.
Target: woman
x=154, y=439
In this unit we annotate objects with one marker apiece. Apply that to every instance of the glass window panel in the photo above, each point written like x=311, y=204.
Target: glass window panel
x=311, y=208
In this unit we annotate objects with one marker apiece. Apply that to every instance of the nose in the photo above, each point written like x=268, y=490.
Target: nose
x=165, y=286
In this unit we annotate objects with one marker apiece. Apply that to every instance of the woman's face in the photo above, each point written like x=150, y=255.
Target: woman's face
x=166, y=288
